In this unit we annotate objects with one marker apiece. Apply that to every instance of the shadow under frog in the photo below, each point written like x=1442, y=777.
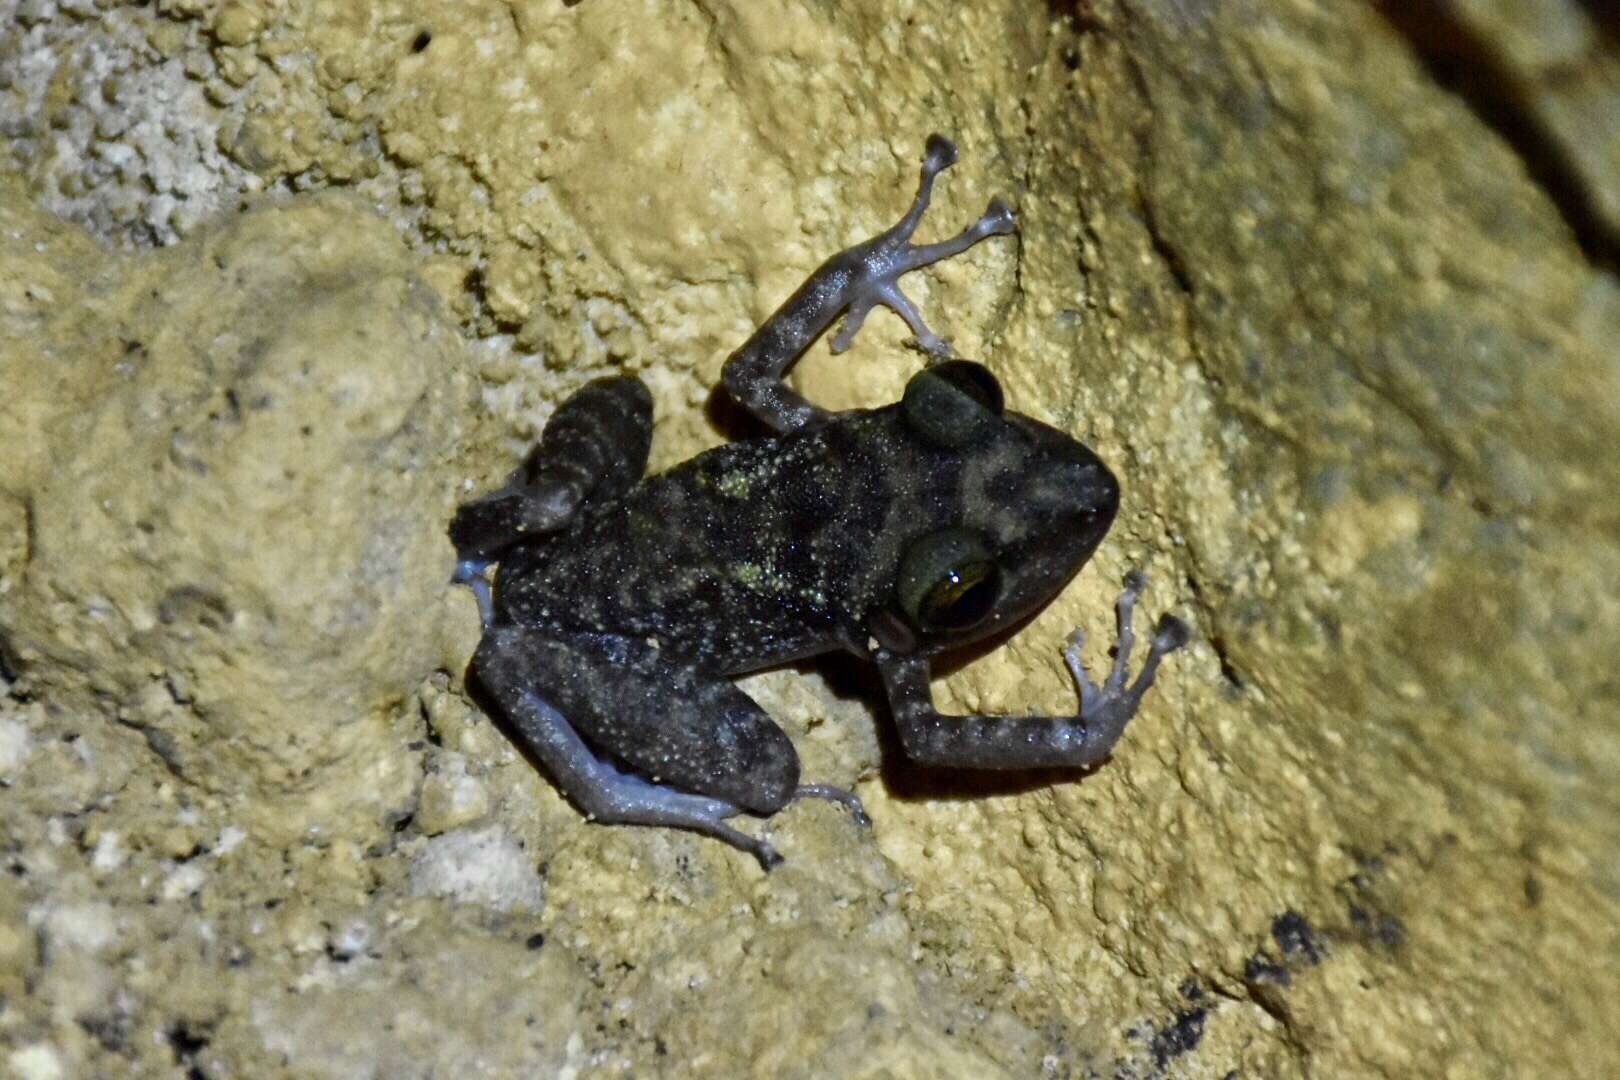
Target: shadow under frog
x=623, y=604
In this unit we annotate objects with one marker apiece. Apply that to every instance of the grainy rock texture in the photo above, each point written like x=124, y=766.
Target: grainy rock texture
x=1342, y=321
x=234, y=461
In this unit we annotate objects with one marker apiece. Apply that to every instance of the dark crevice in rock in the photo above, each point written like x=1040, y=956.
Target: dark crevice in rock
x=1216, y=640
x=1605, y=16
x=10, y=669
x=1080, y=15
x=1463, y=62
x=161, y=743
x=1163, y=248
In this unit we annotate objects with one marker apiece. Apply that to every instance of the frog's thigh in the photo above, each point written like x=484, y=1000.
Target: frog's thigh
x=679, y=729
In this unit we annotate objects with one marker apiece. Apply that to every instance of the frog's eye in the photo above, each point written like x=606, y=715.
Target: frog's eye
x=948, y=580
x=953, y=403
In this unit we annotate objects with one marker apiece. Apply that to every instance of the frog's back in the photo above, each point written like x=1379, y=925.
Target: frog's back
x=750, y=554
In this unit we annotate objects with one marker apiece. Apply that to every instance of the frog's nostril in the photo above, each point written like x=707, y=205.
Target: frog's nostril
x=1085, y=480
x=1062, y=487
x=1102, y=490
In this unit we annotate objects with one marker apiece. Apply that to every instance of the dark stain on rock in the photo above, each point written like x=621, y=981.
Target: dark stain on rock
x=1261, y=969
x=1297, y=940
x=1182, y=1034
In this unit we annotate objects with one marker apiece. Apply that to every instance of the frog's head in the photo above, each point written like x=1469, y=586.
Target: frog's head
x=1026, y=507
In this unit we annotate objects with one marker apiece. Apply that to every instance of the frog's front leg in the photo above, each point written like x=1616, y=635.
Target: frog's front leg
x=853, y=282
x=1029, y=742
x=632, y=738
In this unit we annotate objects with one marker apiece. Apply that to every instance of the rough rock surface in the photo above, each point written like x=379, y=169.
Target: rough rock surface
x=234, y=456
x=1350, y=349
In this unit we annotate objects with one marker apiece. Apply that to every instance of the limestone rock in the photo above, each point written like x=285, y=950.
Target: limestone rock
x=228, y=472
x=1345, y=337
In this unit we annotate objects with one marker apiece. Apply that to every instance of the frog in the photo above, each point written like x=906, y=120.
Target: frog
x=623, y=606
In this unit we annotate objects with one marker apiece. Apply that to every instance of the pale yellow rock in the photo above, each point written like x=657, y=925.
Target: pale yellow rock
x=234, y=521
x=450, y=797
x=236, y=24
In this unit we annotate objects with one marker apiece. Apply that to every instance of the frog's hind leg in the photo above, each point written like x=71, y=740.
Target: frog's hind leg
x=594, y=447
x=633, y=739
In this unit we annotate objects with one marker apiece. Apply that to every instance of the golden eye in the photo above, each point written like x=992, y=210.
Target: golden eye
x=962, y=597
x=952, y=404
x=948, y=580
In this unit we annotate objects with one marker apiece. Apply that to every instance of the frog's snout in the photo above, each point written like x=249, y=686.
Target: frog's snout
x=1071, y=489
x=1087, y=483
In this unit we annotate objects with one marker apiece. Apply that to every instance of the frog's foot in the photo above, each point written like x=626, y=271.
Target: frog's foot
x=515, y=511
x=847, y=799
x=470, y=572
x=882, y=260
x=1107, y=709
